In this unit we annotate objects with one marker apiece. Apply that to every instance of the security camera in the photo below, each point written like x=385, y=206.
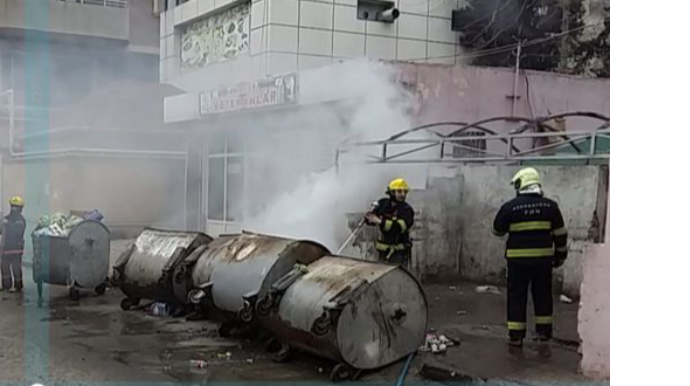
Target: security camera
x=389, y=15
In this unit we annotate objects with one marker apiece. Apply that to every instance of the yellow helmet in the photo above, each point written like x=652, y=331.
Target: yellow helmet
x=17, y=201
x=398, y=184
x=526, y=177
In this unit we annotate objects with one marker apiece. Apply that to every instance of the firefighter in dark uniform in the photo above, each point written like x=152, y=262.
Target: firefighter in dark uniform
x=394, y=217
x=537, y=243
x=12, y=246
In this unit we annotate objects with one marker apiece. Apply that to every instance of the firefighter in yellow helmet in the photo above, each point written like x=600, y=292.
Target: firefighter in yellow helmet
x=12, y=246
x=537, y=242
x=394, y=217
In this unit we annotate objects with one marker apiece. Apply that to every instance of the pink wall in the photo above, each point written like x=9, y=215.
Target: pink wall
x=595, y=308
x=467, y=94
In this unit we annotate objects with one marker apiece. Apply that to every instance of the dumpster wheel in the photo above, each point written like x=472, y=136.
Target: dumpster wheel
x=342, y=372
x=246, y=314
x=100, y=289
x=74, y=294
x=284, y=354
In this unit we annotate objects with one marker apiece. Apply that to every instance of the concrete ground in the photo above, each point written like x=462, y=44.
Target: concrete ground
x=93, y=340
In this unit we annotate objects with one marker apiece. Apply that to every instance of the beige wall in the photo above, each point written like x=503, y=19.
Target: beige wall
x=595, y=308
x=127, y=191
x=143, y=25
x=70, y=18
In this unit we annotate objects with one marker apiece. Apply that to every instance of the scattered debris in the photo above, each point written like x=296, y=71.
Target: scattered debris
x=461, y=312
x=198, y=364
x=452, y=288
x=160, y=309
x=565, y=299
x=225, y=355
x=436, y=343
x=487, y=289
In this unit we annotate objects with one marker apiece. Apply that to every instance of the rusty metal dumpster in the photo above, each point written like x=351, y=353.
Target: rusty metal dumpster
x=236, y=269
x=360, y=314
x=145, y=270
x=79, y=260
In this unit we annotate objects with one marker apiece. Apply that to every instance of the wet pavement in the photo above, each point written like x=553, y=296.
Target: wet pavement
x=93, y=340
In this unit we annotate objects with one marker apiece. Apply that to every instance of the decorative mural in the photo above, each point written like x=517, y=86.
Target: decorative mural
x=218, y=38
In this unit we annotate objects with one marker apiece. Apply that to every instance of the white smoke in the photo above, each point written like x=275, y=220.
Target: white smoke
x=314, y=208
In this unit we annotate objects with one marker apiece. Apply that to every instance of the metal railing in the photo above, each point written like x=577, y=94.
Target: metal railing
x=100, y=3
x=500, y=148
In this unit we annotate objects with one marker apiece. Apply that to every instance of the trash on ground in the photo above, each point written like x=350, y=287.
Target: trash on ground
x=461, y=312
x=250, y=360
x=160, y=309
x=436, y=343
x=225, y=355
x=198, y=364
x=488, y=289
x=452, y=288
x=565, y=299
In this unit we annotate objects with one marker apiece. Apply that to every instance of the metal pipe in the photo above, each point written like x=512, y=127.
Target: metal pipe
x=517, y=77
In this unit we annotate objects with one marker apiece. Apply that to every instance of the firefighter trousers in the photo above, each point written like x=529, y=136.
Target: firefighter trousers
x=11, y=267
x=522, y=275
x=401, y=257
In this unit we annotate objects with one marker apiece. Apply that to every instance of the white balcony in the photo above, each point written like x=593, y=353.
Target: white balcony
x=108, y=19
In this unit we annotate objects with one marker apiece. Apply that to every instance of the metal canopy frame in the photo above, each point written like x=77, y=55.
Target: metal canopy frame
x=500, y=148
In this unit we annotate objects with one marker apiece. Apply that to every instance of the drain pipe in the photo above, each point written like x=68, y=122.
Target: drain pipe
x=516, y=77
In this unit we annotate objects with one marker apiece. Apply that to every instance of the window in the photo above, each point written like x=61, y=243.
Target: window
x=234, y=189
x=225, y=179
x=216, y=183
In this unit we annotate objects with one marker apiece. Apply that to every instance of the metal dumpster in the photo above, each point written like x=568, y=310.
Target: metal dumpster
x=360, y=314
x=236, y=269
x=145, y=270
x=79, y=260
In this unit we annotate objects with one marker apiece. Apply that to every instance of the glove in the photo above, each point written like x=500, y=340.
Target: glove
x=558, y=263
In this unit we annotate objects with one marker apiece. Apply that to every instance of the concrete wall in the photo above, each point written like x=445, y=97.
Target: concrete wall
x=595, y=308
x=456, y=212
x=467, y=94
x=70, y=18
x=129, y=192
x=443, y=93
x=143, y=26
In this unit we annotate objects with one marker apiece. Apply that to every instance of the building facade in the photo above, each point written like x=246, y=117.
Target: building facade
x=79, y=83
x=261, y=72
x=248, y=40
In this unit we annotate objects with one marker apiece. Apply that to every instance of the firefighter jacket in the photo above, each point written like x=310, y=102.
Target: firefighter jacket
x=13, y=227
x=397, y=220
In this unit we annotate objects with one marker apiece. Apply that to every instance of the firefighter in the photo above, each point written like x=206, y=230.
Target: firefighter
x=394, y=217
x=537, y=242
x=12, y=246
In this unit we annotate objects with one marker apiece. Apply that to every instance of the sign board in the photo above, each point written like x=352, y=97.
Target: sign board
x=271, y=92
